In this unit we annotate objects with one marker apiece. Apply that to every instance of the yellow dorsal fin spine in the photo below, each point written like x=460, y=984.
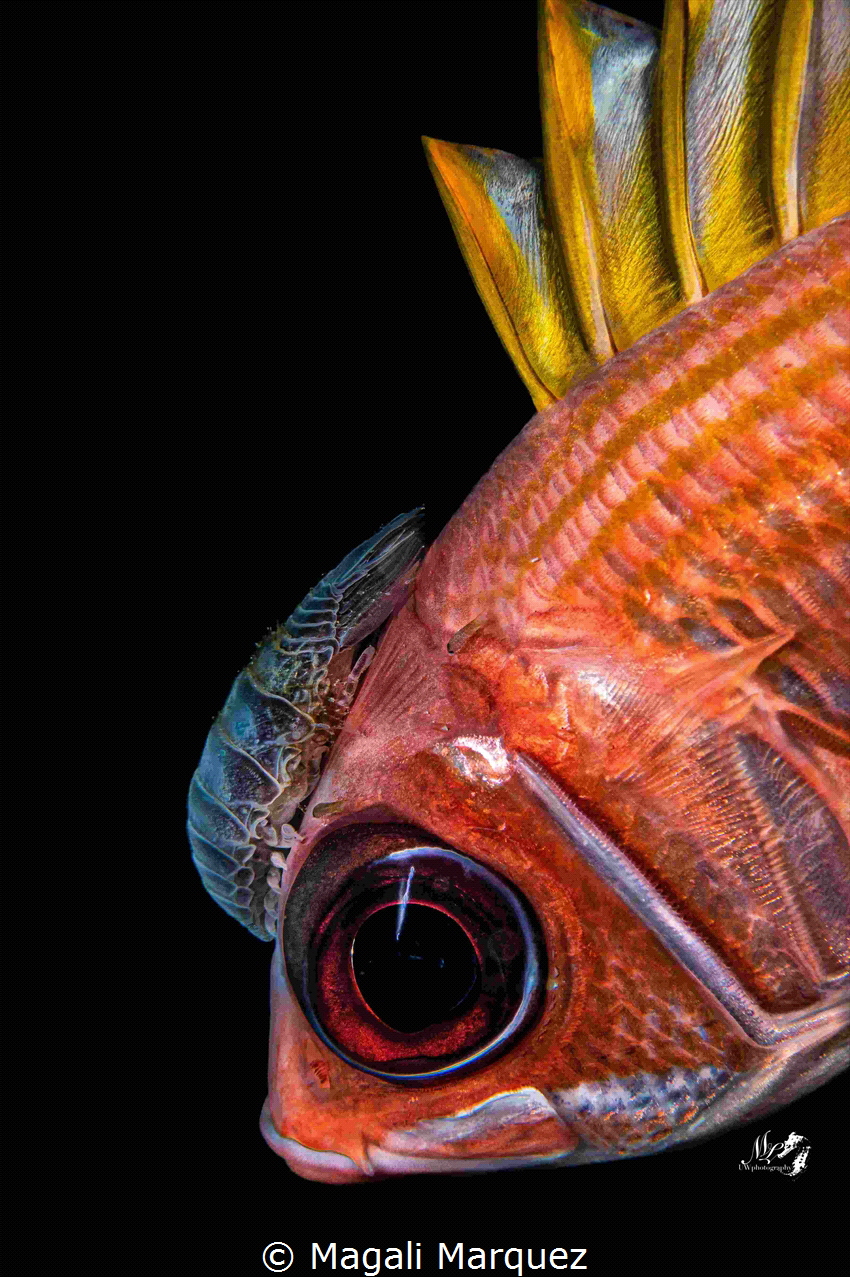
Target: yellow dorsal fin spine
x=790, y=78
x=824, y=151
x=669, y=169
x=566, y=97
x=670, y=117
x=598, y=73
x=494, y=201
x=731, y=47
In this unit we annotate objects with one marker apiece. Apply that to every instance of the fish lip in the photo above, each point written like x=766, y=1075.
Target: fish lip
x=336, y=1168
x=310, y=1163
x=388, y=1163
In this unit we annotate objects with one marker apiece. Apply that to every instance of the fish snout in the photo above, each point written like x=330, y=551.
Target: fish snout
x=323, y=1165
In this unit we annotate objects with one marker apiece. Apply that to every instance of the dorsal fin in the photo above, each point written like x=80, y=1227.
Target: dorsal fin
x=726, y=87
x=495, y=202
x=823, y=155
x=671, y=166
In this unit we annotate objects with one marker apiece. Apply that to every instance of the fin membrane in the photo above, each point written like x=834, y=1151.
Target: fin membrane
x=495, y=202
x=671, y=165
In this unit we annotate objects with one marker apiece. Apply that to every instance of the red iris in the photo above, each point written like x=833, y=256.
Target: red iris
x=416, y=962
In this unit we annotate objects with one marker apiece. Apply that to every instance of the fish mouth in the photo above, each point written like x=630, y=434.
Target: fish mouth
x=564, y=1128
x=310, y=1163
x=330, y=1167
x=697, y=1103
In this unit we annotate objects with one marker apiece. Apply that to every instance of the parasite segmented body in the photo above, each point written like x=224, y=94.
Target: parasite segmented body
x=262, y=755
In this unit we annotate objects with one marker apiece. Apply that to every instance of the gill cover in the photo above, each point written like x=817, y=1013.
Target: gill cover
x=672, y=163
x=263, y=753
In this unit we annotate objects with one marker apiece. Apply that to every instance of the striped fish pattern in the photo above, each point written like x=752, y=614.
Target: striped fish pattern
x=637, y=509
x=619, y=683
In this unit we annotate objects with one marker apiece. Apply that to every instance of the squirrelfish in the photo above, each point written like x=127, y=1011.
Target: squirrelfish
x=550, y=826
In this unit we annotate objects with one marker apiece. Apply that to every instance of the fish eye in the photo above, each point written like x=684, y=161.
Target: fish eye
x=414, y=964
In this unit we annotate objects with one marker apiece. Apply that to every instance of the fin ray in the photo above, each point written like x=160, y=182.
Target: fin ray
x=728, y=80
x=789, y=82
x=494, y=201
x=669, y=169
x=566, y=108
x=824, y=153
x=671, y=114
x=608, y=66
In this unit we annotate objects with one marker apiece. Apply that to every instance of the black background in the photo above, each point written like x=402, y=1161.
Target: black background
x=293, y=354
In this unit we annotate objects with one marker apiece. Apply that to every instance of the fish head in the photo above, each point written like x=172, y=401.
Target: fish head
x=379, y=1053
x=529, y=1015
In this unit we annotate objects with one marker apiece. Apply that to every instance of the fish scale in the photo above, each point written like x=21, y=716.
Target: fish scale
x=605, y=733
x=609, y=417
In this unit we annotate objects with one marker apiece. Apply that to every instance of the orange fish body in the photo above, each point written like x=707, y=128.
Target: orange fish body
x=553, y=832
x=619, y=640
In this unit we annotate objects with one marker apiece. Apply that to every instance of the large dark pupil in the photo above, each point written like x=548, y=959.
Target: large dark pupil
x=414, y=966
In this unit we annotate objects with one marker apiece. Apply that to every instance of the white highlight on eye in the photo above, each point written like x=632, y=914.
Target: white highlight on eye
x=404, y=900
x=479, y=759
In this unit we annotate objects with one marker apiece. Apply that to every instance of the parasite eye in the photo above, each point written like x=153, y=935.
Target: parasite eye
x=421, y=963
